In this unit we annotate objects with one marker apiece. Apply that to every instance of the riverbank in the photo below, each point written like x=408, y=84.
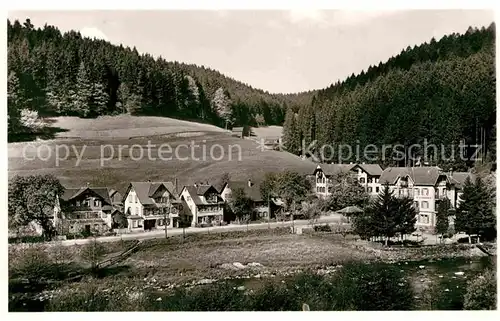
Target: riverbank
x=248, y=258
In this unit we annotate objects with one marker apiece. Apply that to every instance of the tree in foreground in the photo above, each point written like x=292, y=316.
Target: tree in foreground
x=442, y=220
x=388, y=216
x=32, y=198
x=346, y=191
x=92, y=253
x=475, y=214
x=241, y=204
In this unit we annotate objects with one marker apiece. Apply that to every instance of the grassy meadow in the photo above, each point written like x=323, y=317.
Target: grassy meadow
x=89, y=152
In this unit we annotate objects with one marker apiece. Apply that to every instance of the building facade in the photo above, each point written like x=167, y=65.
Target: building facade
x=204, y=203
x=367, y=175
x=84, y=210
x=427, y=186
x=151, y=205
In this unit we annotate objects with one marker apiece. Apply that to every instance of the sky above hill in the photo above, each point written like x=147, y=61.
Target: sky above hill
x=278, y=51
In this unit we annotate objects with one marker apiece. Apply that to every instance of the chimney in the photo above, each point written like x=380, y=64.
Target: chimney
x=249, y=182
x=88, y=184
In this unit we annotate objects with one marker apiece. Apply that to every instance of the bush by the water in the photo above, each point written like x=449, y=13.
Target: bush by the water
x=482, y=292
x=357, y=286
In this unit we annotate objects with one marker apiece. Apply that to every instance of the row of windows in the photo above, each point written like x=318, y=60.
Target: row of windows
x=370, y=180
x=88, y=201
x=370, y=189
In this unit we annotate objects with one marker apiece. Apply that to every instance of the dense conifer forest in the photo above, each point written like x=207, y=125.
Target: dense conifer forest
x=442, y=91
x=66, y=74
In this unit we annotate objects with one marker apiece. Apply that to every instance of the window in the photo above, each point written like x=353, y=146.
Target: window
x=424, y=218
x=370, y=180
x=370, y=189
x=86, y=202
x=417, y=192
x=136, y=210
x=362, y=180
x=377, y=189
x=425, y=191
x=425, y=204
x=317, y=189
x=77, y=203
x=416, y=204
x=437, y=193
x=97, y=203
x=188, y=198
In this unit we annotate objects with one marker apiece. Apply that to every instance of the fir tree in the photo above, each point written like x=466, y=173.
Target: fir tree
x=291, y=136
x=83, y=94
x=442, y=217
x=475, y=214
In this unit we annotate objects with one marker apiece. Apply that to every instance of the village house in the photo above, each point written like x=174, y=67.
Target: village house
x=150, y=205
x=427, y=186
x=84, y=210
x=367, y=175
x=260, y=206
x=204, y=202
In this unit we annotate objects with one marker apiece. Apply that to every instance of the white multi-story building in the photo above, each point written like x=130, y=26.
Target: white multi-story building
x=148, y=205
x=204, y=202
x=427, y=186
x=367, y=175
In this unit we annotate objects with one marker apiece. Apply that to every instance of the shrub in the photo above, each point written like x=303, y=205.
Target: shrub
x=92, y=253
x=322, y=228
x=32, y=263
x=481, y=292
x=214, y=297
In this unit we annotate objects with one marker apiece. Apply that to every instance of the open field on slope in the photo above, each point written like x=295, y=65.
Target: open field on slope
x=125, y=126
x=98, y=161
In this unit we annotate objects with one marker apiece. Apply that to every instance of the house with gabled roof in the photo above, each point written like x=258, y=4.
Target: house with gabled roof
x=84, y=210
x=427, y=186
x=261, y=207
x=324, y=177
x=204, y=202
x=151, y=205
x=367, y=175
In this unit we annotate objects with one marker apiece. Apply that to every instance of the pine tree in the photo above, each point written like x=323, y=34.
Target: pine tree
x=100, y=99
x=14, y=104
x=442, y=220
x=291, y=138
x=475, y=213
x=83, y=94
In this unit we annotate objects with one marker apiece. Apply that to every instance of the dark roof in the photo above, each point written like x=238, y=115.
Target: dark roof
x=251, y=191
x=420, y=175
x=332, y=169
x=198, y=192
x=371, y=169
x=458, y=178
x=145, y=190
x=71, y=193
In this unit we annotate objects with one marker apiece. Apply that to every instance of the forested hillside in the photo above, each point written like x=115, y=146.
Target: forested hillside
x=442, y=91
x=65, y=74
